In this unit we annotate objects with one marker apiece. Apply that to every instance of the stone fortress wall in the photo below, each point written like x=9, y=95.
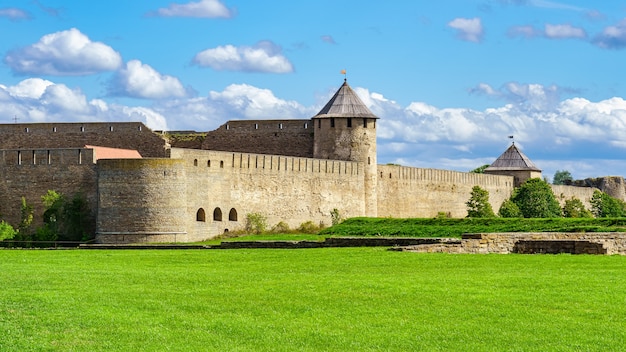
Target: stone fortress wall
x=278, y=137
x=30, y=173
x=292, y=171
x=124, y=135
x=197, y=194
x=417, y=192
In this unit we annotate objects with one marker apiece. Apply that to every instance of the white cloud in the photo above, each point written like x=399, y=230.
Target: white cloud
x=142, y=81
x=255, y=103
x=60, y=98
x=68, y=52
x=30, y=88
x=530, y=97
x=152, y=119
x=550, y=31
x=468, y=29
x=561, y=31
x=14, y=14
x=201, y=9
x=612, y=37
x=38, y=100
x=265, y=56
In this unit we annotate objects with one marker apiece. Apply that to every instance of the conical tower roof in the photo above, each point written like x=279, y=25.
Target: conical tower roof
x=345, y=103
x=512, y=160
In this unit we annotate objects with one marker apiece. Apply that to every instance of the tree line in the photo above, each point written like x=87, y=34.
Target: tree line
x=535, y=199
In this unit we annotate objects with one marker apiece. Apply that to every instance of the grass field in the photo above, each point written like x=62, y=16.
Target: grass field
x=341, y=299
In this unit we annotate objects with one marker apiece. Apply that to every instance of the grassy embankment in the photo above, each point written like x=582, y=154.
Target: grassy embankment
x=339, y=299
x=457, y=227
x=388, y=227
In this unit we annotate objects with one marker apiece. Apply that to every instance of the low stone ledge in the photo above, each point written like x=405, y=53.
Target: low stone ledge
x=536, y=242
x=558, y=247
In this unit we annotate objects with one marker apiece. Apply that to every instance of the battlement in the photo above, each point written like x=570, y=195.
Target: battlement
x=47, y=157
x=220, y=160
x=274, y=125
x=124, y=135
x=277, y=137
x=78, y=127
x=397, y=172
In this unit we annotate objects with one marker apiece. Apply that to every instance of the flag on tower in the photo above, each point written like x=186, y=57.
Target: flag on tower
x=343, y=72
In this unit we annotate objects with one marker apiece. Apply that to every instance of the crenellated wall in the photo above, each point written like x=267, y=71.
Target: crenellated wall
x=283, y=188
x=125, y=135
x=416, y=192
x=184, y=195
x=30, y=173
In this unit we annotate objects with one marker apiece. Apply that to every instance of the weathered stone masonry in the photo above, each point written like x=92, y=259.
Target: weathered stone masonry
x=288, y=170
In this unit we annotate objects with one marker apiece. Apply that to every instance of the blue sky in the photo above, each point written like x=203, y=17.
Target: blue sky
x=449, y=79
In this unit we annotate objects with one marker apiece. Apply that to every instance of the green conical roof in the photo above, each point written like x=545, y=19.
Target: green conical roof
x=345, y=103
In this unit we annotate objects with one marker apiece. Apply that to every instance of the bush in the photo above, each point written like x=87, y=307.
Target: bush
x=281, y=227
x=605, y=206
x=574, y=208
x=335, y=217
x=256, y=223
x=308, y=227
x=478, y=205
x=535, y=199
x=508, y=209
x=7, y=231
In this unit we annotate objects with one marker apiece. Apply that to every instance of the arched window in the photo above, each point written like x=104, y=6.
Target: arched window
x=200, y=216
x=195, y=162
x=232, y=215
x=222, y=164
x=208, y=163
x=217, y=214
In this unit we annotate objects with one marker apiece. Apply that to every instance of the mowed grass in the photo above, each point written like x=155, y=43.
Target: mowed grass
x=340, y=299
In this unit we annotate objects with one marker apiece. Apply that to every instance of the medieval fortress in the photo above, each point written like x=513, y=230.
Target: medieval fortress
x=143, y=188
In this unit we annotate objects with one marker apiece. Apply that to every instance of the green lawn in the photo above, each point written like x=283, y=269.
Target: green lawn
x=340, y=299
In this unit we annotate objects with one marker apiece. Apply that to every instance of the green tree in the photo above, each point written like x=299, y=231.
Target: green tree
x=478, y=205
x=605, y=206
x=508, y=209
x=561, y=177
x=52, y=216
x=76, y=217
x=26, y=219
x=574, y=208
x=535, y=199
x=7, y=231
x=480, y=169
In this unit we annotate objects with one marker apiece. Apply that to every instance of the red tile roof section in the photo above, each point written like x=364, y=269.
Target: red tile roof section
x=113, y=153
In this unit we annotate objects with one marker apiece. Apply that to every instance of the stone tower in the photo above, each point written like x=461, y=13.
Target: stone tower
x=345, y=129
x=514, y=163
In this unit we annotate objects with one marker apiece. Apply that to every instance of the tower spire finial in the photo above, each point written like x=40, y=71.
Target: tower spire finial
x=345, y=75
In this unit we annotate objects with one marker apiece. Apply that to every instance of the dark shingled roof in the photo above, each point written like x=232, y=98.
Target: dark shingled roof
x=512, y=160
x=345, y=103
